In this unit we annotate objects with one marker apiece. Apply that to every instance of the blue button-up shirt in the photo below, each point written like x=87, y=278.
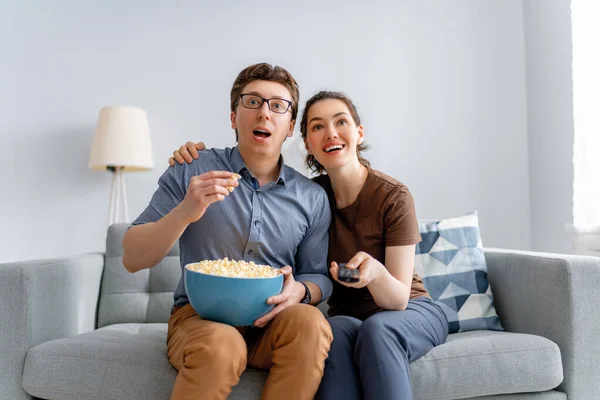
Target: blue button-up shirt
x=284, y=222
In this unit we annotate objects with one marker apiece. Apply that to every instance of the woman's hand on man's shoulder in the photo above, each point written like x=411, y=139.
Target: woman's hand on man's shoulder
x=186, y=153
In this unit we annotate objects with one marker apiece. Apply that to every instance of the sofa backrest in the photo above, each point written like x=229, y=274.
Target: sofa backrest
x=145, y=296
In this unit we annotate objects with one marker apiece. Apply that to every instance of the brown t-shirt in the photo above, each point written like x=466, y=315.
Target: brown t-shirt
x=382, y=215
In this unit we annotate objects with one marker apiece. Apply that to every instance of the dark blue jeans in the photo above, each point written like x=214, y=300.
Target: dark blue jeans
x=369, y=360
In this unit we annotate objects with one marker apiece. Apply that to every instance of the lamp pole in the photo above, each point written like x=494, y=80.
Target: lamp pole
x=118, y=196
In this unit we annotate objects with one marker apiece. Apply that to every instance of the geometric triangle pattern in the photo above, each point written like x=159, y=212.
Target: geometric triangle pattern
x=441, y=244
x=445, y=257
x=428, y=239
x=453, y=290
x=451, y=261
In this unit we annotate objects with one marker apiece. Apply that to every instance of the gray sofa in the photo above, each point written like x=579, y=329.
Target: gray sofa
x=84, y=328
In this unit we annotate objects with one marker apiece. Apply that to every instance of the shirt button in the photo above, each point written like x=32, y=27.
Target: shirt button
x=249, y=251
x=256, y=223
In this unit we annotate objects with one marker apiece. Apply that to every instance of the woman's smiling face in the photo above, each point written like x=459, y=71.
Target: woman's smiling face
x=332, y=135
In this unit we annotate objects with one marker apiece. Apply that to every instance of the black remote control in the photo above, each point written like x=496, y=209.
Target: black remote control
x=347, y=274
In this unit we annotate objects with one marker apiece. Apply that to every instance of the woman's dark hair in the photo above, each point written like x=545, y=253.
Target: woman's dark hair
x=311, y=161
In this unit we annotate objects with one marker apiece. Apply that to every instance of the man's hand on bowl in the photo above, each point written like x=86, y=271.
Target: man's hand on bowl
x=292, y=293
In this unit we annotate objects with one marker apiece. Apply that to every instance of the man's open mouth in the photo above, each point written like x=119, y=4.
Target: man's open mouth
x=261, y=134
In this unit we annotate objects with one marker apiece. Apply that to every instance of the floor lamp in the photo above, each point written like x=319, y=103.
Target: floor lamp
x=121, y=143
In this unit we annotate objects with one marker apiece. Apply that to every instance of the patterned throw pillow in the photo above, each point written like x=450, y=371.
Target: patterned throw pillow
x=451, y=261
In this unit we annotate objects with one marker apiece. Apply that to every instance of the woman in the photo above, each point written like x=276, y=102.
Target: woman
x=385, y=320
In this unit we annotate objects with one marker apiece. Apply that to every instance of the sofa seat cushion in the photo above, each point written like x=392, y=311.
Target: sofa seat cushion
x=129, y=361
x=481, y=363
x=122, y=361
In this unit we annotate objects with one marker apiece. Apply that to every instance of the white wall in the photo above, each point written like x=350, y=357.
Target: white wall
x=440, y=86
x=550, y=116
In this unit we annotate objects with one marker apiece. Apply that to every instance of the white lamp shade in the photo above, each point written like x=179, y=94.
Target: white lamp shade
x=122, y=139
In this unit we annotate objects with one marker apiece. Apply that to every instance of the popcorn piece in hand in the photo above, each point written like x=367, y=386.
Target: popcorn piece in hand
x=233, y=177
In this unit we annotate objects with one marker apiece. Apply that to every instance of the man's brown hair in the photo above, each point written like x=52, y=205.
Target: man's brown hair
x=311, y=161
x=265, y=72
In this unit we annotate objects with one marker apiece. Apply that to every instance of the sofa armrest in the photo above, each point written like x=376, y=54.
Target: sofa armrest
x=558, y=297
x=43, y=300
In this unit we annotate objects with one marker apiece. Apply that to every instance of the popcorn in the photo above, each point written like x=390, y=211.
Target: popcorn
x=232, y=268
x=233, y=177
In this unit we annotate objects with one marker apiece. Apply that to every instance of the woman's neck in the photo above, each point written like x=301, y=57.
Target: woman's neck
x=347, y=182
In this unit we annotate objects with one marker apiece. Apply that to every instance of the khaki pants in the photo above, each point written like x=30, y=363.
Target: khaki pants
x=211, y=356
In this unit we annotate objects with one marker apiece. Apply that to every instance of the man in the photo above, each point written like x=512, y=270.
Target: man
x=274, y=216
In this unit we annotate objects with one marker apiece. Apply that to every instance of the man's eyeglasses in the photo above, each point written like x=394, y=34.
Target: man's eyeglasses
x=253, y=101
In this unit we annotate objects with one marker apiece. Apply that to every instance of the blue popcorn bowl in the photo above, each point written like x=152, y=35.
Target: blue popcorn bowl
x=231, y=300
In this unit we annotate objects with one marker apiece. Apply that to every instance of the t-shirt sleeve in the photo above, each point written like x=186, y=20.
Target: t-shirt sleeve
x=400, y=219
x=172, y=187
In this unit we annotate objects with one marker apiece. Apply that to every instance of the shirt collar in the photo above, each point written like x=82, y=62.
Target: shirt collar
x=238, y=164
